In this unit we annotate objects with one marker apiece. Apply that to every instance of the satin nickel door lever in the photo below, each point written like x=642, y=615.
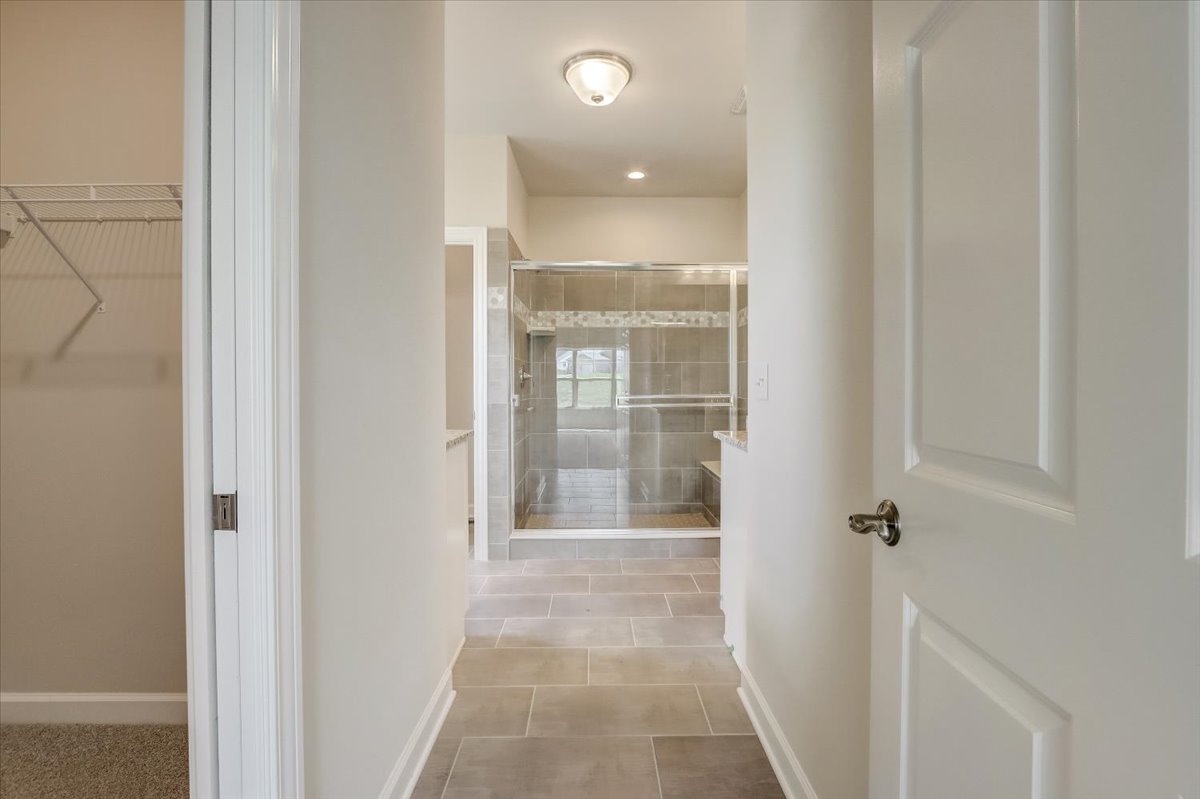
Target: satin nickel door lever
x=885, y=523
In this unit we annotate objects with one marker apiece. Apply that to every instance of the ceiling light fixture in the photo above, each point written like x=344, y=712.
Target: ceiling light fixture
x=597, y=78
x=636, y=174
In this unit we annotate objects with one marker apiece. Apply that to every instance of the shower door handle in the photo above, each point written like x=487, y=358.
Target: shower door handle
x=885, y=523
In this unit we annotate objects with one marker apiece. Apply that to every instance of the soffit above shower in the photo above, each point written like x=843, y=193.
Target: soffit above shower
x=504, y=76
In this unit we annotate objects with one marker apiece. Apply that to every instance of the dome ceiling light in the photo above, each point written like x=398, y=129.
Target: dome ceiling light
x=597, y=78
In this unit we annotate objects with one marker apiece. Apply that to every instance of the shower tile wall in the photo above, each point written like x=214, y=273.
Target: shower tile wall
x=501, y=251
x=743, y=350
x=604, y=466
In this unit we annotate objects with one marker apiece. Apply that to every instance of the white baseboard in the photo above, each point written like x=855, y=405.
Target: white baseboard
x=787, y=767
x=84, y=708
x=403, y=779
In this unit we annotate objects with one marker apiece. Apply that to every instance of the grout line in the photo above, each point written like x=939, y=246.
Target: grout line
x=632, y=631
x=550, y=607
x=697, y=584
x=704, y=710
x=453, y=763
x=653, y=755
x=589, y=666
x=500, y=635
x=670, y=610
x=533, y=698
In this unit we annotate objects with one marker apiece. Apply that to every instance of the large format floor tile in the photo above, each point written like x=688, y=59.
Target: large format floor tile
x=488, y=711
x=536, y=584
x=618, y=710
x=610, y=605
x=642, y=584
x=521, y=667
x=669, y=566
x=695, y=604
x=495, y=566
x=715, y=767
x=679, y=631
x=572, y=567
x=507, y=607
x=593, y=678
x=554, y=768
x=567, y=632
x=482, y=633
x=725, y=711
x=437, y=769
x=660, y=665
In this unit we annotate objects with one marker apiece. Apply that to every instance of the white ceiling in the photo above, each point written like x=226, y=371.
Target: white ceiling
x=504, y=76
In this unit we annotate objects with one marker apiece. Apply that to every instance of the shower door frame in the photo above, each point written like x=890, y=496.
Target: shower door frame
x=733, y=269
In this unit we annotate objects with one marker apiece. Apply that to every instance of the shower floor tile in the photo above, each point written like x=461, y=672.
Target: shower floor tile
x=569, y=521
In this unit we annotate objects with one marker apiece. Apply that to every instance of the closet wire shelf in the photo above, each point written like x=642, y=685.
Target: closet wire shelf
x=47, y=203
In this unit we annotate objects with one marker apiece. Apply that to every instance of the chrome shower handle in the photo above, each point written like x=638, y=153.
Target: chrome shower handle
x=885, y=523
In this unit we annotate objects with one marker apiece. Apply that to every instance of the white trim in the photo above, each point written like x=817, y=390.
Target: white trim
x=1192, y=535
x=404, y=775
x=286, y=113
x=245, y=280
x=792, y=779
x=201, y=709
x=476, y=239
x=92, y=708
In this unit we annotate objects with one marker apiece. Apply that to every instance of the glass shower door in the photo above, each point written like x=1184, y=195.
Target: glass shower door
x=629, y=375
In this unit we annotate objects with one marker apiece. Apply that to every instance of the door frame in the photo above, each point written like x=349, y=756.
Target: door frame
x=262, y=67
x=476, y=239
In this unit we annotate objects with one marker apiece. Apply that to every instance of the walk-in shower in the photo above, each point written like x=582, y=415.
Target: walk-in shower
x=621, y=373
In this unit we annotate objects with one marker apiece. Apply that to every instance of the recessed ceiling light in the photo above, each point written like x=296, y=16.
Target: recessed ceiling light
x=597, y=78
x=636, y=175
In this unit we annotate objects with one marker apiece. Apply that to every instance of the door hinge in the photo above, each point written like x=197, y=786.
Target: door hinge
x=225, y=512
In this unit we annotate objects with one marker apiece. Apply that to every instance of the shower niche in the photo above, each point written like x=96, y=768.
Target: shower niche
x=621, y=374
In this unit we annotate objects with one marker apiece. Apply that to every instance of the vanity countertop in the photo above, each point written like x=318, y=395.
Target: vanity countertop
x=456, y=437
x=734, y=438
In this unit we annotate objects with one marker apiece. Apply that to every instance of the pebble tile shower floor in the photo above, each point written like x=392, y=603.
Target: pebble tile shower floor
x=596, y=679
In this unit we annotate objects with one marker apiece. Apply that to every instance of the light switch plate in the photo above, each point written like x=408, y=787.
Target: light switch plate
x=758, y=381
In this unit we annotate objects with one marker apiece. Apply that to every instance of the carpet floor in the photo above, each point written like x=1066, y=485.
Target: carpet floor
x=113, y=761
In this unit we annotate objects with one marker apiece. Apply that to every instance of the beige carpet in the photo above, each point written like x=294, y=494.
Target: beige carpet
x=74, y=761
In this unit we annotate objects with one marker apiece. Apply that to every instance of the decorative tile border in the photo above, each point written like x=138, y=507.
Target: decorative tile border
x=522, y=312
x=571, y=319
x=497, y=297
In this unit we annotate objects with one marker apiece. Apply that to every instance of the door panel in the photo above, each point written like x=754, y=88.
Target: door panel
x=1037, y=631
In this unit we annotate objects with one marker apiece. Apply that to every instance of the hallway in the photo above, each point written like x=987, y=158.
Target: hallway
x=597, y=678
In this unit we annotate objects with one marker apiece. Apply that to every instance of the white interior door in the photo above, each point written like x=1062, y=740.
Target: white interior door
x=1036, y=632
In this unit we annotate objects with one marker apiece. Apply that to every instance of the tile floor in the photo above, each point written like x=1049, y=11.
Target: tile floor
x=590, y=679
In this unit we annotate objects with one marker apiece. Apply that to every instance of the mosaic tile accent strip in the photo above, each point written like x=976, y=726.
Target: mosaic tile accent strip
x=497, y=297
x=555, y=319
x=522, y=312
x=742, y=317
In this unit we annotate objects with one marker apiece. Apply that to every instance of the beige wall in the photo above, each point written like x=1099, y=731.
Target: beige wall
x=91, y=91
x=517, y=212
x=810, y=199
x=91, y=530
x=460, y=348
x=484, y=186
x=476, y=181
x=663, y=229
x=372, y=386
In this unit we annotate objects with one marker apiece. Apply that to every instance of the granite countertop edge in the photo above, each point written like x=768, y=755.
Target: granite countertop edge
x=734, y=438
